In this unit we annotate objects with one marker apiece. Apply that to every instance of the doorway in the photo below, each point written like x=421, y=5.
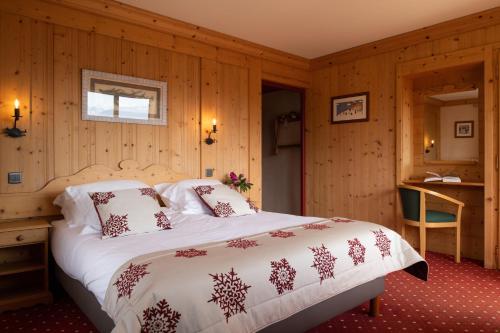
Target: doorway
x=282, y=148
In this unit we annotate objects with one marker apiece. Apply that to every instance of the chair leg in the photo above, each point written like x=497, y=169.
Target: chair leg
x=457, y=254
x=422, y=241
x=403, y=231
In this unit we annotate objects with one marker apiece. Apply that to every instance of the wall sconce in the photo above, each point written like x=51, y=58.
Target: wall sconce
x=429, y=147
x=15, y=132
x=209, y=140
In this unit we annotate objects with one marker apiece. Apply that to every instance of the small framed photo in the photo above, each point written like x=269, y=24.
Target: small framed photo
x=125, y=99
x=464, y=129
x=350, y=108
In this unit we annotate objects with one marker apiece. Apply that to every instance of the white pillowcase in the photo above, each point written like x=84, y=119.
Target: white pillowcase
x=224, y=201
x=181, y=197
x=129, y=212
x=77, y=207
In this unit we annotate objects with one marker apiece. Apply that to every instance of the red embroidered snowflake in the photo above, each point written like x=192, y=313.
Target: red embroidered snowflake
x=282, y=275
x=204, y=189
x=128, y=279
x=356, y=251
x=282, y=234
x=223, y=209
x=252, y=205
x=162, y=221
x=115, y=225
x=242, y=243
x=324, y=262
x=229, y=293
x=341, y=220
x=101, y=198
x=148, y=191
x=190, y=253
x=383, y=243
x=315, y=226
x=160, y=318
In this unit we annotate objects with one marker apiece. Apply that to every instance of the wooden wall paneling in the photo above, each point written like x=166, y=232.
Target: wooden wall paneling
x=128, y=66
x=106, y=57
x=490, y=160
x=255, y=129
x=232, y=111
x=15, y=56
x=40, y=85
x=182, y=136
x=209, y=92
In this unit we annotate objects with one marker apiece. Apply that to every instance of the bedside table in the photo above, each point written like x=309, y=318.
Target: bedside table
x=24, y=246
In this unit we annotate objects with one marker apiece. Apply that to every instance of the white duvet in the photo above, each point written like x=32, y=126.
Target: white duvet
x=93, y=261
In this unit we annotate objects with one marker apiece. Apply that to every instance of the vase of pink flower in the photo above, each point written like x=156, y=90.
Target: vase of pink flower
x=238, y=182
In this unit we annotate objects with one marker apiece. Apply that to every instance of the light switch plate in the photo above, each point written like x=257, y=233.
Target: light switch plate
x=209, y=172
x=14, y=177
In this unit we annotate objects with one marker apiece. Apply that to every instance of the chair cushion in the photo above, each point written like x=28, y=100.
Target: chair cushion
x=436, y=216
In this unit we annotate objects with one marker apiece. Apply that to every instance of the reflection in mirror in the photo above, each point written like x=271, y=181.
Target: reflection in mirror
x=451, y=126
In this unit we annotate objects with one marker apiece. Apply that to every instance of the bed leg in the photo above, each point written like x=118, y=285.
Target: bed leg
x=374, y=306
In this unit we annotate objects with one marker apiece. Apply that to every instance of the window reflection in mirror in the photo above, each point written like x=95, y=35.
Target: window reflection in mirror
x=451, y=126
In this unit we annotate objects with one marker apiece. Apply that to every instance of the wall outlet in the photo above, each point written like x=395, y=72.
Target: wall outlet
x=14, y=177
x=209, y=172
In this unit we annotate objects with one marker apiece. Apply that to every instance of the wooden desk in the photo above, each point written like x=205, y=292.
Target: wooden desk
x=420, y=182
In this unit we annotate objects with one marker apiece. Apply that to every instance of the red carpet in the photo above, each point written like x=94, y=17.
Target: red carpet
x=457, y=298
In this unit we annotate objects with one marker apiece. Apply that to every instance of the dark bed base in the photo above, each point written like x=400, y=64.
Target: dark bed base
x=299, y=322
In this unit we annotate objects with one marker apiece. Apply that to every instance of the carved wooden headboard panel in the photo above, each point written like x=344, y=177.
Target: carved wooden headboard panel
x=22, y=205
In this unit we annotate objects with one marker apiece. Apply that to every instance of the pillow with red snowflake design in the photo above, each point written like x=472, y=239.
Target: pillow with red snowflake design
x=129, y=212
x=224, y=201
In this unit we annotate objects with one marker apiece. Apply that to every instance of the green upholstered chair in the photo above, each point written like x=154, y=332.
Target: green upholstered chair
x=416, y=214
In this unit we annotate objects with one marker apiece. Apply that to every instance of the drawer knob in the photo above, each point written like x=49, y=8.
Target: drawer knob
x=20, y=238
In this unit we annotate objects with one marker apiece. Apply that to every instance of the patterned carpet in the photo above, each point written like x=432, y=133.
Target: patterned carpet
x=457, y=298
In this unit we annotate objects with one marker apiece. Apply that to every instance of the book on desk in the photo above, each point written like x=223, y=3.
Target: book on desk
x=434, y=177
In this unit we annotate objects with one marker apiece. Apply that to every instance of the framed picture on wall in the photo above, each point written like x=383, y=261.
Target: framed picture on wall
x=464, y=129
x=125, y=99
x=350, y=108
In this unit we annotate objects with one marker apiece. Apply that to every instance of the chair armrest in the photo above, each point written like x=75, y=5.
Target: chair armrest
x=445, y=197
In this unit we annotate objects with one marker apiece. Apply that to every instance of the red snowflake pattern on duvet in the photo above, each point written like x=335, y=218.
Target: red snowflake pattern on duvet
x=148, y=191
x=282, y=234
x=252, y=206
x=162, y=221
x=204, y=189
x=190, y=253
x=229, y=293
x=160, y=318
x=282, y=275
x=241, y=243
x=341, y=220
x=315, y=226
x=128, y=279
x=383, y=243
x=356, y=251
x=115, y=225
x=324, y=262
x=223, y=209
x=101, y=198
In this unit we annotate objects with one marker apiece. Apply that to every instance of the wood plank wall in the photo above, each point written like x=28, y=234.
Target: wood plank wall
x=45, y=44
x=351, y=168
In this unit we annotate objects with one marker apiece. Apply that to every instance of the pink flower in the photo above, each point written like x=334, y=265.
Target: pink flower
x=233, y=176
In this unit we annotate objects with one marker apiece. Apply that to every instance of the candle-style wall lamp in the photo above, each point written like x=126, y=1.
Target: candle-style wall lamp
x=209, y=140
x=15, y=132
x=429, y=147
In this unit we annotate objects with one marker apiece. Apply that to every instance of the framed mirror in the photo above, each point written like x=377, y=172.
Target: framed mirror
x=450, y=127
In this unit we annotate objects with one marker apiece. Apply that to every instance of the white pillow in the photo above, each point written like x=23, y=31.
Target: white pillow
x=181, y=197
x=129, y=212
x=78, y=208
x=224, y=201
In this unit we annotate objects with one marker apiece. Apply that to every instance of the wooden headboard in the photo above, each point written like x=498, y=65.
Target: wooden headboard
x=23, y=205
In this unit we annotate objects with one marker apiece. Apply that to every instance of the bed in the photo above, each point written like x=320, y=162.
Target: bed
x=89, y=268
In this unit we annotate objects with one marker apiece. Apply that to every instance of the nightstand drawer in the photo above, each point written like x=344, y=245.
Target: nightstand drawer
x=23, y=237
